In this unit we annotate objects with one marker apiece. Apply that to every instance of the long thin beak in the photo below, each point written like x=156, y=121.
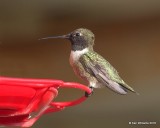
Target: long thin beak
x=54, y=37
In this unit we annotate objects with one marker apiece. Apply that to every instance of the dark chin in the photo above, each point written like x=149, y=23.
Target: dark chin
x=78, y=47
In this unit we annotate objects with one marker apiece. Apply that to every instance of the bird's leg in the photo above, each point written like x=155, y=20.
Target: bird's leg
x=86, y=93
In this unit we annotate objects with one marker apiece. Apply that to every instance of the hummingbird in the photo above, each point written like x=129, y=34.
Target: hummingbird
x=89, y=65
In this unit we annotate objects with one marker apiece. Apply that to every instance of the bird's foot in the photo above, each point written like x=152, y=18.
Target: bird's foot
x=89, y=94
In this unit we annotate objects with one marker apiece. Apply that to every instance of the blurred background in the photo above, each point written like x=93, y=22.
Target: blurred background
x=127, y=35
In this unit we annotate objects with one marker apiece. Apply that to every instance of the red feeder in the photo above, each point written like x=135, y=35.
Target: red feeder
x=23, y=101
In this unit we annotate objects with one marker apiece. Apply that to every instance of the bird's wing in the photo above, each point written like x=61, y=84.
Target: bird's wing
x=98, y=67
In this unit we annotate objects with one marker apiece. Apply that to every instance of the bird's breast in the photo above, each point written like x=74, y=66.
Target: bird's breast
x=75, y=55
x=74, y=62
x=72, y=59
x=76, y=65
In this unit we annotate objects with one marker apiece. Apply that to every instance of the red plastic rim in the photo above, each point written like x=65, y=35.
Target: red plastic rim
x=23, y=101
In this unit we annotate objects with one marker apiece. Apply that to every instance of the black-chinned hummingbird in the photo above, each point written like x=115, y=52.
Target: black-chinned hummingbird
x=89, y=65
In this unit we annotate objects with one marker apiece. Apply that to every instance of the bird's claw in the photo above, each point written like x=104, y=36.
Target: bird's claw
x=89, y=94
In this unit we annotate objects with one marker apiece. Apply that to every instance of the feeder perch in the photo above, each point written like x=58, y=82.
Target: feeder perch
x=24, y=101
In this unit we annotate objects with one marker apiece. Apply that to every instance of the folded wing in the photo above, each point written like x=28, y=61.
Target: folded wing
x=104, y=72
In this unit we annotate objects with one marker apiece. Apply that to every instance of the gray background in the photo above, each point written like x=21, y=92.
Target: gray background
x=127, y=34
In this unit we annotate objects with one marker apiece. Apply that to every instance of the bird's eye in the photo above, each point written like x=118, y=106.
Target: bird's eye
x=78, y=34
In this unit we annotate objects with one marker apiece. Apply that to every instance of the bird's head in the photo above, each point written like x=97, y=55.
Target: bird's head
x=80, y=39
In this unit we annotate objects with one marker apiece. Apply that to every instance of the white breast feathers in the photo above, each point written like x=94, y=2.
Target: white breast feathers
x=75, y=55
